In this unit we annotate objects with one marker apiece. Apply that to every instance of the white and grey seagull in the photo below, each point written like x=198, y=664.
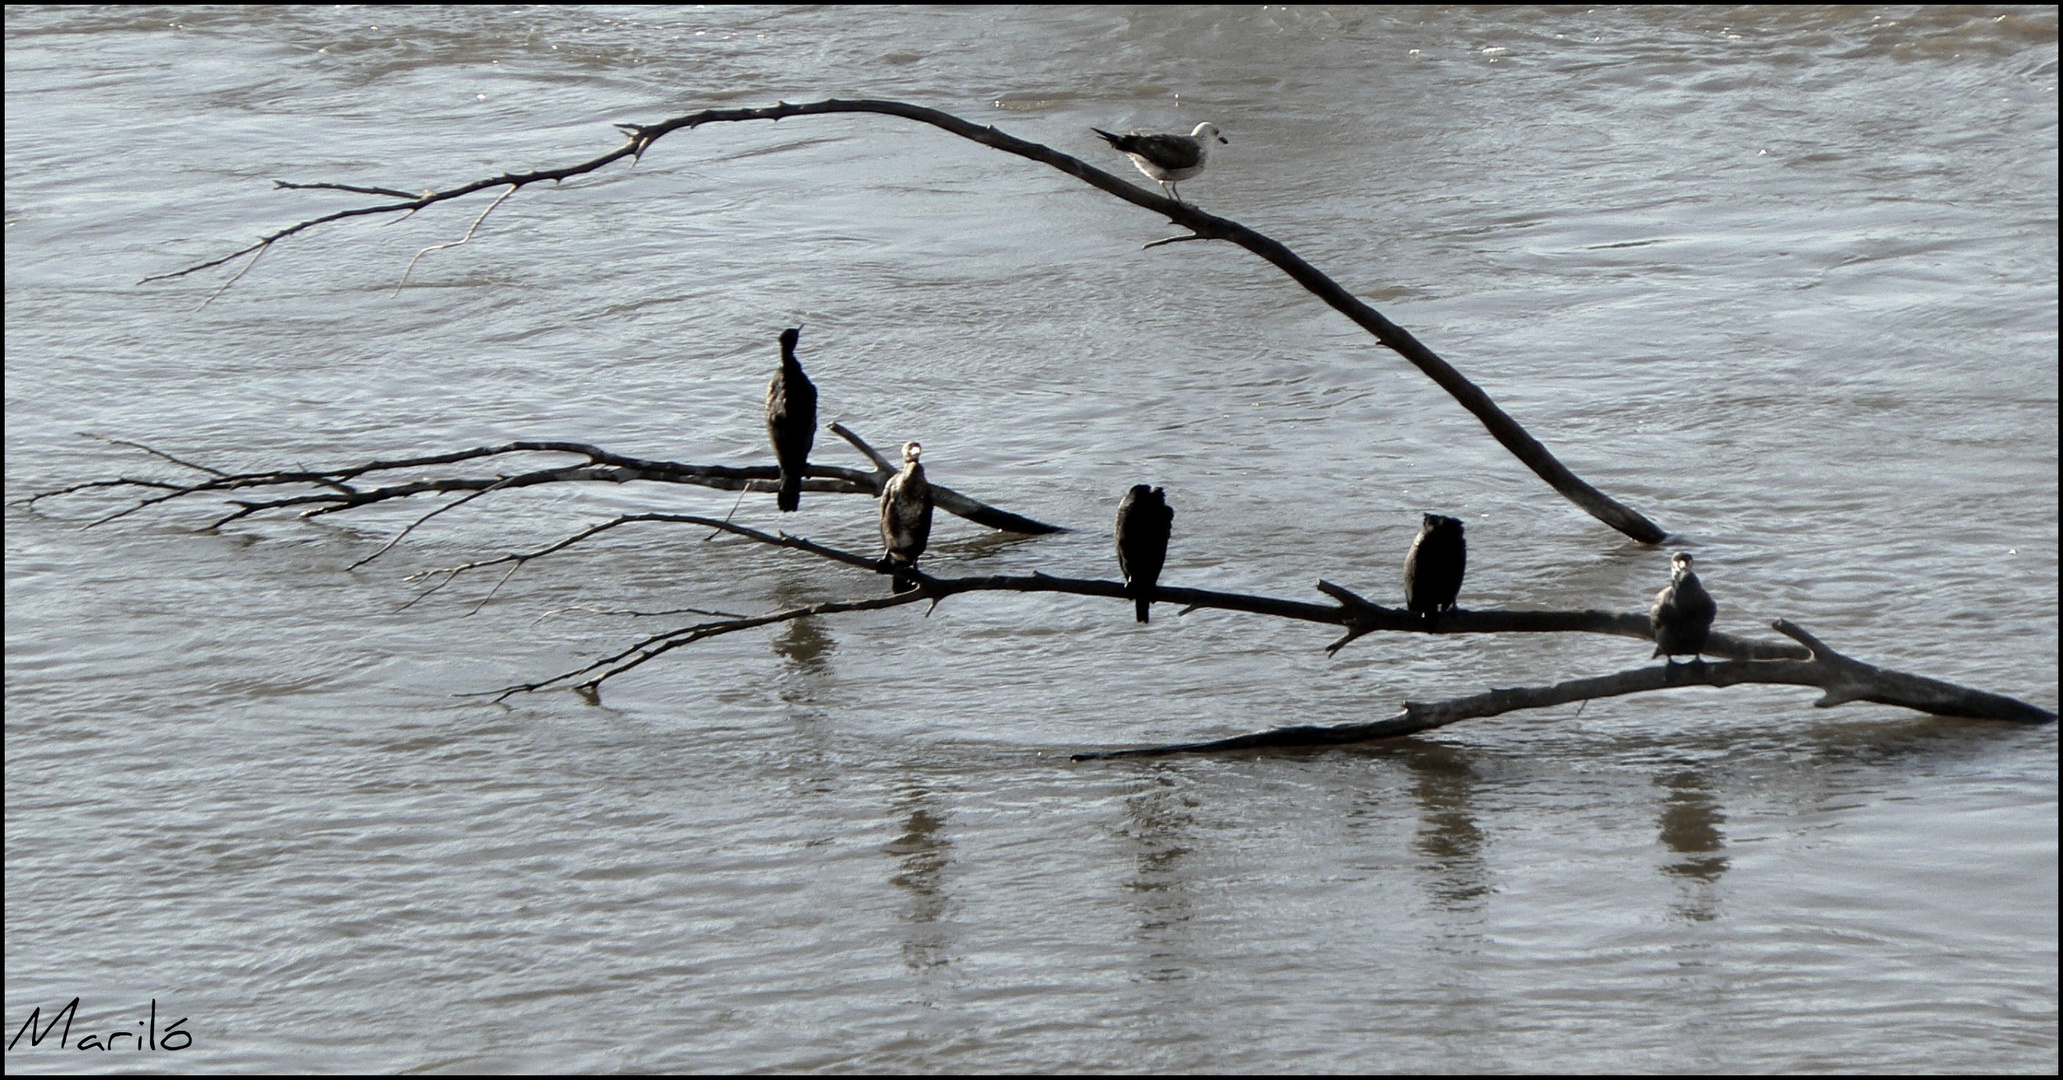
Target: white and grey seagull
x=1168, y=158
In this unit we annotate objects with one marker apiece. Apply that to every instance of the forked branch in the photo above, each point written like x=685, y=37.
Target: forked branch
x=347, y=488
x=1807, y=663
x=1202, y=226
x=1842, y=678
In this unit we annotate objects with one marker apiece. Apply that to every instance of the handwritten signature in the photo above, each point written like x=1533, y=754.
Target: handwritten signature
x=172, y=1038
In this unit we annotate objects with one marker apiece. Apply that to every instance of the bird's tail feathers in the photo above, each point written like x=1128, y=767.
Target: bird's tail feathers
x=790, y=495
x=1140, y=605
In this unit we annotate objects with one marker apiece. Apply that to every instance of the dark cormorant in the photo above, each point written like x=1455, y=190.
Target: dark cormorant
x=906, y=516
x=1143, y=522
x=791, y=420
x=1432, y=572
x=1167, y=158
x=1682, y=615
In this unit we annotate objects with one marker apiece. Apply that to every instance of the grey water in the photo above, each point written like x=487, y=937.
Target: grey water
x=1782, y=278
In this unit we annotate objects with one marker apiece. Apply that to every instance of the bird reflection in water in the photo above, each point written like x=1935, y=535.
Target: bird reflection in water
x=1449, y=842
x=922, y=854
x=1689, y=827
x=1158, y=827
x=805, y=645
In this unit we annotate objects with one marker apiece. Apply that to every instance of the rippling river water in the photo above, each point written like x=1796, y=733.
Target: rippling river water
x=1783, y=279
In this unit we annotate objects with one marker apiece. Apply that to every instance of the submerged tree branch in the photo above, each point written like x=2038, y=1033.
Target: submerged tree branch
x=1202, y=225
x=1843, y=679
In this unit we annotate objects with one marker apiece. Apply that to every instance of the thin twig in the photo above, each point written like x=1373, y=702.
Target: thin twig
x=461, y=501
x=1151, y=244
x=660, y=644
x=238, y=276
x=633, y=612
x=155, y=452
x=451, y=573
x=326, y=186
x=466, y=239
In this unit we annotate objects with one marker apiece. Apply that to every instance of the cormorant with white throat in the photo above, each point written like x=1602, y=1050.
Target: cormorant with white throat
x=1683, y=613
x=906, y=517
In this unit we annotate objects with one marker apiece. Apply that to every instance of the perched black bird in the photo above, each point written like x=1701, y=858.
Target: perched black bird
x=791, y=420
x=1683, y=612
x=1432, y=572
x=1143, y=522
x=1167, y=158
x=906, y=517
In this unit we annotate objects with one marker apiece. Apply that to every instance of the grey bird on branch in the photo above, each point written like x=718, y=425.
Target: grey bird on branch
x=1683, y=613
x=906, y=517
x=1144, y=520
x=791, y=420
x=1433, y=569
x=1168, y=158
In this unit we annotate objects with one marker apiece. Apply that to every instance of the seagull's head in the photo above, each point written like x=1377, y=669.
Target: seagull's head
x=910, y=451
x=1208, y=131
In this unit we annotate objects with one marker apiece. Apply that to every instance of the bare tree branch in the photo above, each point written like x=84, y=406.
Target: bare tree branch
x=1842, y=678
x=1809, y=663
x=340, y=494
x=882, y=466
x=1201, y=225
x=1804, y=661
x=451, y=573
x=945, y=498
x=660, y=644
x=1352, y=611
x=409, y=204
